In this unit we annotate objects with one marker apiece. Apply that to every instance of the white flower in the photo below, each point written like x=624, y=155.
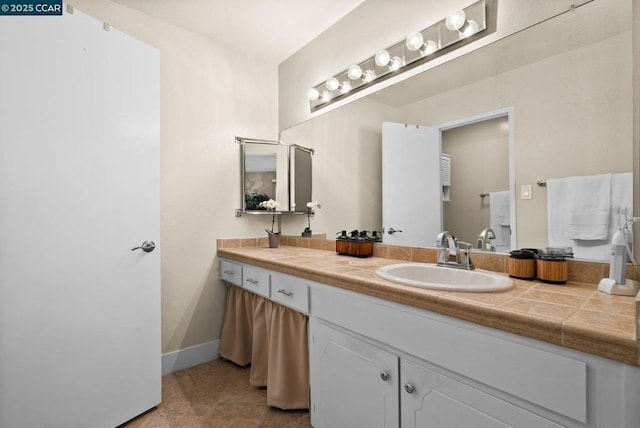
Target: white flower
x=270, y=204
x=313, y=205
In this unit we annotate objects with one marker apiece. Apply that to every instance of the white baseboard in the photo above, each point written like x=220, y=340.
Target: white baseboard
x=189, y=357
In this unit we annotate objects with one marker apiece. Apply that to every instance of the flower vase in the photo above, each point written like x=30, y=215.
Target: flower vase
x=274, y=239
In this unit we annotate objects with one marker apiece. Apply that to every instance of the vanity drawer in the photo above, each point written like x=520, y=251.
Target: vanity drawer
x=290, y=291
x=231, y=272
x=256, y=280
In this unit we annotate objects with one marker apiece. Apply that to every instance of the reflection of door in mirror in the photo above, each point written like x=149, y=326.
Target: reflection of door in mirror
x=479, y=195
x=259, y=179
x=411, y=212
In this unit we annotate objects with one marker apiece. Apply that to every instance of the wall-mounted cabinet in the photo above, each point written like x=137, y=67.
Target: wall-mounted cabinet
x=272, y=170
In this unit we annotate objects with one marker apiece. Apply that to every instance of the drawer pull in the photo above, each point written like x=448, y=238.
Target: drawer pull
x=252, y=281
x=285, y=292
x=228, y=272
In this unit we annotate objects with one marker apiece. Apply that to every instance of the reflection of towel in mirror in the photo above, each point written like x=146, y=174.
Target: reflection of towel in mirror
x=589, y=200
x=500, y=217
x=558, y=216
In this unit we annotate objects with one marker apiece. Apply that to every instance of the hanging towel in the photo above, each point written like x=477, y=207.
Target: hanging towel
x=500, y=217
x=589, y=200
x=558, y=212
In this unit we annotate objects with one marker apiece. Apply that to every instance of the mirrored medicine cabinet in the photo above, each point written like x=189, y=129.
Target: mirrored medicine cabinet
x=272, y=170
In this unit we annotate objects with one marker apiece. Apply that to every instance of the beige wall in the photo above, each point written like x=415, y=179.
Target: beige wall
x=209, y=93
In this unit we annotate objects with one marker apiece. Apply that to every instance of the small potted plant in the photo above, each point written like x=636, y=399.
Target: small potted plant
x=274, y=237
x=311, y=206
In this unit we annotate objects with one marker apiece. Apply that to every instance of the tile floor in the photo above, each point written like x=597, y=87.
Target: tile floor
x=216, y=394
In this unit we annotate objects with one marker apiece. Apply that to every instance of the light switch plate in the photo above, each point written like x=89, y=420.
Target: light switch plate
x=525, y=191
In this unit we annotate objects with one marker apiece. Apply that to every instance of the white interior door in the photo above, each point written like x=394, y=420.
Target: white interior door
x=79, y=187
x=411, y=190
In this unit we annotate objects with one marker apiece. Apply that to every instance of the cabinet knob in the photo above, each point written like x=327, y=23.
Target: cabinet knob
x=409, y=388
x=384, y=376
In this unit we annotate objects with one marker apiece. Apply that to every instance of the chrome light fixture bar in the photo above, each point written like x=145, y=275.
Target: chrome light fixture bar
x=420, y=46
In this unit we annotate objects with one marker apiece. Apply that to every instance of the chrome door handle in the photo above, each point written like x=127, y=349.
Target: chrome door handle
x=285, y=292
x=391, y=231
x=384, y=376
x=409, y=388
x=147, y=247
x=252, y=281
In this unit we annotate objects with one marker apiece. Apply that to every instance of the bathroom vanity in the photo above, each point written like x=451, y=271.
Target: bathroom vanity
x=383, y=354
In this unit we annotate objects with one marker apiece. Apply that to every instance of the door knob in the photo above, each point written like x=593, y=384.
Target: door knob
x=384, y=376
x=409, y=388
x=391, y=231
x=147, y=247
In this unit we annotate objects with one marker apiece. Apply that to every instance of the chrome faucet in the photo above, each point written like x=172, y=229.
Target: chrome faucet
x=484, y=240
x=450, y=253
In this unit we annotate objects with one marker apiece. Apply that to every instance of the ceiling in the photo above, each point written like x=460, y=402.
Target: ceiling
x=271, y=30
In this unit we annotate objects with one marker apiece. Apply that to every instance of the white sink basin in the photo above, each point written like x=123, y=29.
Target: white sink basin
x=444, y=278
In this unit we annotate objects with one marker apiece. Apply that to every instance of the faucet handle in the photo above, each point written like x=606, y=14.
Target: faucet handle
x=465, y=245
x=465, y=256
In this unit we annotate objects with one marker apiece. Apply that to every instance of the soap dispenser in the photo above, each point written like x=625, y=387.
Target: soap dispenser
x=617, y=283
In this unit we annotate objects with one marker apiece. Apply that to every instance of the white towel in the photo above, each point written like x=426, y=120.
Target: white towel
x=558, y=214
x=589, y=200
x=500, y=218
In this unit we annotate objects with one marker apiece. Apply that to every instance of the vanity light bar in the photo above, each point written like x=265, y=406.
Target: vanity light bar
x=419, y=46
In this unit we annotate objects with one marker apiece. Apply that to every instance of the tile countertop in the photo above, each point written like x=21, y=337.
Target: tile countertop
x=573, y=315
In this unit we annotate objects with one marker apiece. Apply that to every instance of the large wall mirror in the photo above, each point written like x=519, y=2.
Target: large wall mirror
x=568, y=84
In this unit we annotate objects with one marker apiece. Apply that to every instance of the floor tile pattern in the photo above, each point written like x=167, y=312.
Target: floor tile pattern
x=216, y=394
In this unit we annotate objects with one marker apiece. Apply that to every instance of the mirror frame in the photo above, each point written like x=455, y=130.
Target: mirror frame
x=290, y=175
x=243, y=142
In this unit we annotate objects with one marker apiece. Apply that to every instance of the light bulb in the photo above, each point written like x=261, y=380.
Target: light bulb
x=382, y=58
x=396, y=63
x=325, y=96
x=369, y=75
x=354, y=72
x=313, y=94
x=332, y=84
x=346, y=87
x=470, y=28
x=430, y=47
x=414, y=41
x=455, y=21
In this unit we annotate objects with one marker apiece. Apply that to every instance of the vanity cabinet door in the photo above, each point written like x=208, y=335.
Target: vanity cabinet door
x=353, y=383
x=432, y=399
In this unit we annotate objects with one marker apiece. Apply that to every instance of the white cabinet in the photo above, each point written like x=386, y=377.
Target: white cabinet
x=354, y=384
x=430, y=398
x=375, y=363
